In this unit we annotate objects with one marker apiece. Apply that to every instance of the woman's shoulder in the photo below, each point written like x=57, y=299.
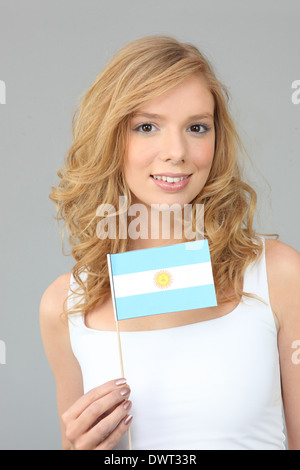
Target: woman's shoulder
x=279, y=254
x=53, y=298
x=283, y=273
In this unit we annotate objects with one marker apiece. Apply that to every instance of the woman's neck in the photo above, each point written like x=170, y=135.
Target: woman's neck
x=157, y=228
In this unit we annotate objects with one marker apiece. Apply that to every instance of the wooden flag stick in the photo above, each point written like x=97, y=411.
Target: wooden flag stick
x=118, y=332
x=123, y=375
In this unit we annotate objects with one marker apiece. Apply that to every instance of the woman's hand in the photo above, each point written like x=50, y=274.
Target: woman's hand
x=99, y=419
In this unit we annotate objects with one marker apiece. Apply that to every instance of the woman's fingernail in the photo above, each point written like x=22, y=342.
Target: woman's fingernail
x=127, y=405
x=120, y=382
x=124, y=391
x=128, y=419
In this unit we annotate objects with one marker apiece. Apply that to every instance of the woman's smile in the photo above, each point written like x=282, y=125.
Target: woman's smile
x=171, y=184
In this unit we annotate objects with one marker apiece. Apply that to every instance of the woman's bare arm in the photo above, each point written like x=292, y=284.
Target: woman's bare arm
x=56, y=340
x=283, y=268
x=95, y=420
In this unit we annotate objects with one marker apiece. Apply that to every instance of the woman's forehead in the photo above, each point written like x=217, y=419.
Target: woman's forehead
x=191, y=97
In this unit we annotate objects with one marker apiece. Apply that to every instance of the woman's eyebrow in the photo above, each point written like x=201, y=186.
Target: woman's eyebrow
x=163, y=118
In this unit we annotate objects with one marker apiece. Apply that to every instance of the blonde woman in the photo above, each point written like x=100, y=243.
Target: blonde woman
x=210, y=378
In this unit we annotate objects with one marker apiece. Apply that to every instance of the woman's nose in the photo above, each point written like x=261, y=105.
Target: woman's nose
x=173, y=147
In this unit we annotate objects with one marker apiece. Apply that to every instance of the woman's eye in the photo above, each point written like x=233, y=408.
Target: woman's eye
x=197, y=128
x=145, y=128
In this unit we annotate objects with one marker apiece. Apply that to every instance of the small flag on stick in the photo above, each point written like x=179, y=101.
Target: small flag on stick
x=163, y=279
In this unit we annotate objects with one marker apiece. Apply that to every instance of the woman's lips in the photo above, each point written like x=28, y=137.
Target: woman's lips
x=171, y=187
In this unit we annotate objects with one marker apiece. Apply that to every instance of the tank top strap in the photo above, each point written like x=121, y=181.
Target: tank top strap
x=75, y=319
x=256, y=282
x=255, y=277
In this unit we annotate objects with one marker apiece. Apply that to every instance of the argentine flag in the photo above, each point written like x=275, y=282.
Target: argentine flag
x=160, y=280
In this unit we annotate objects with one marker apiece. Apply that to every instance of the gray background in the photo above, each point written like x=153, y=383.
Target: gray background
x=50, y=52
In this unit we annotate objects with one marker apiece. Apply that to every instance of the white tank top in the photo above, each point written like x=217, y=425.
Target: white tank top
x=212, y=385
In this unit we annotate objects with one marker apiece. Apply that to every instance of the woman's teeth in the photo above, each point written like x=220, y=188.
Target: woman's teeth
x=168, y=179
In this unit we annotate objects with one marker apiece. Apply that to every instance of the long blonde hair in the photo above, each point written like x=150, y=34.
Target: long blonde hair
x=93, y=171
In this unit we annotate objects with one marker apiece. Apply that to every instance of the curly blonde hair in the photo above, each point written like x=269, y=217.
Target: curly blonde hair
x=93, y=172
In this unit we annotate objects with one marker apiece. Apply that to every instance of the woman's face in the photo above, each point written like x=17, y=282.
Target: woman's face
x=171, y=136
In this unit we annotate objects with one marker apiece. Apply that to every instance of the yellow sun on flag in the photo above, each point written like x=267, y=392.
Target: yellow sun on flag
x=162, y=279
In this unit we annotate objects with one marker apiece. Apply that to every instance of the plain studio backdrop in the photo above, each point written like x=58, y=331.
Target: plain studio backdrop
x=50, y=53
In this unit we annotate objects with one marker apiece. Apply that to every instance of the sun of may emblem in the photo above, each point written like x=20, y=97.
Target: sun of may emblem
x=162, y=279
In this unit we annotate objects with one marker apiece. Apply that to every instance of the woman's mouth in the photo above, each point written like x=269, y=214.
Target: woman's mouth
x=171, y=183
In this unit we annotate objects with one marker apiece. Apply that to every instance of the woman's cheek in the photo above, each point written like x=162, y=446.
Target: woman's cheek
x=203, y=157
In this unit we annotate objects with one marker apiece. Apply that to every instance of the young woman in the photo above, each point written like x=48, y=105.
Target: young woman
x=155, y=128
